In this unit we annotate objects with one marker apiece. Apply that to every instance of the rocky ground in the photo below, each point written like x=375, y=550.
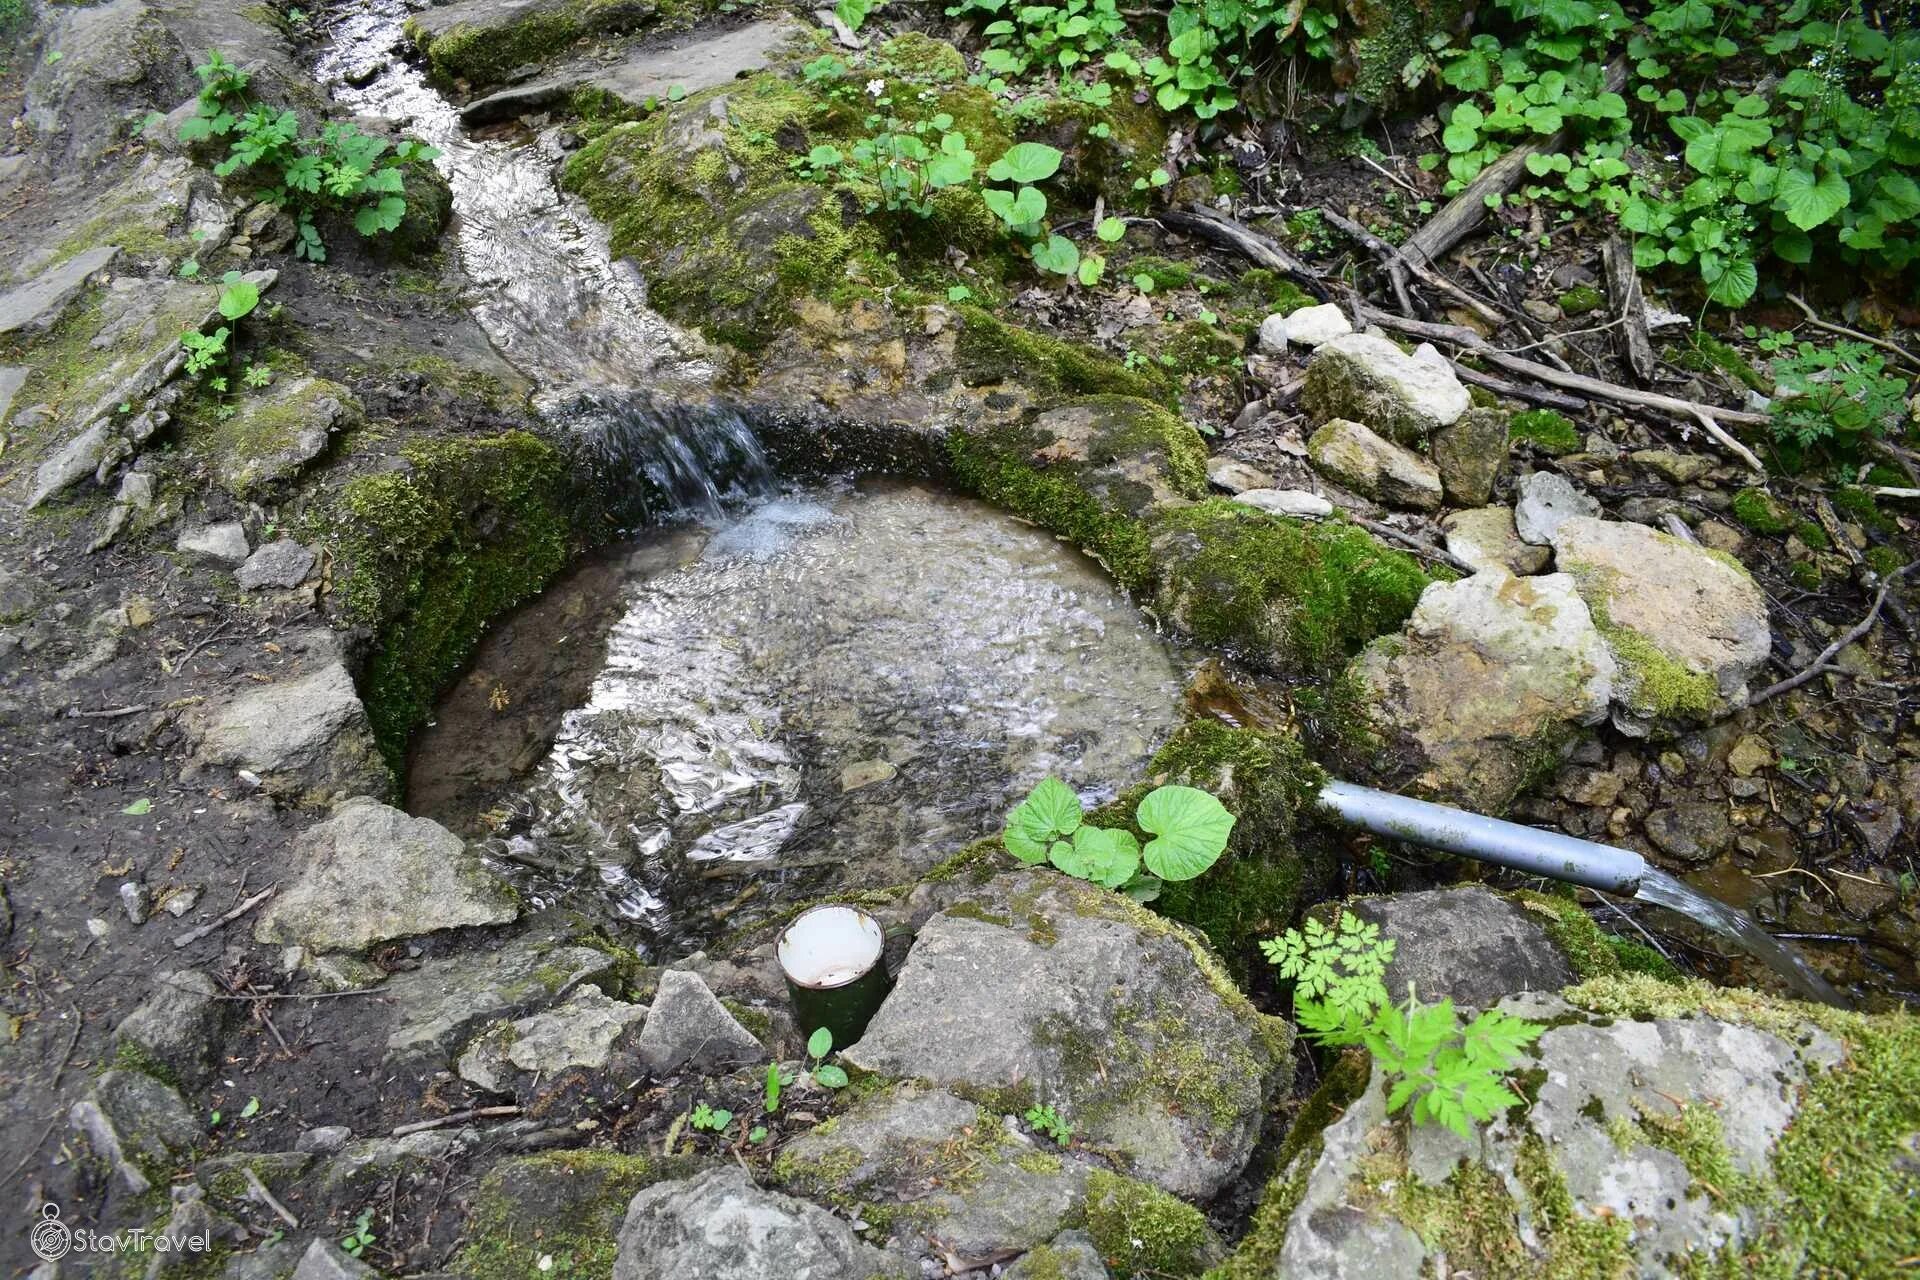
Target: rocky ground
x=256, y=1004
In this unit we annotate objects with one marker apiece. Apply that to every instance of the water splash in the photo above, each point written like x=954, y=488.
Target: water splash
x=667, y=459
x=1662, y=890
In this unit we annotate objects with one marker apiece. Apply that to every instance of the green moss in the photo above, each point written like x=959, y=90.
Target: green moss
x=1258, y=1255
x=1550, y=432
x=431, y=556
x=922, y=59
x=990, y=351
x=1581, y=299
x=1140, y=1230
x=1589, y=952
x=757, y=1024
x=131, y=1055
x=1297, y=596
x=484, y=54
x=1859, y=506
x=1268, y=782
x=1707, y=354
x=566, y=1205
x=1884, y=560
x=1272, y=292
x=1804, y=574
x=1653, y=684
x=1812, y=535
x=1761, y=512
x=978, y=863
x=1164, y=272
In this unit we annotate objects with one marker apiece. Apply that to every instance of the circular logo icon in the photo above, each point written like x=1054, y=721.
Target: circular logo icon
x=50, y=1238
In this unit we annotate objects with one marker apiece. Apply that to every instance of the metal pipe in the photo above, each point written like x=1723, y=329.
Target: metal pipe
x=1527, y=849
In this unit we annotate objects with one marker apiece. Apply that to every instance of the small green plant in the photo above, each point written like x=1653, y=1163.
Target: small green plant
x=1832, y=395
x=1453, y=1074
x=825, y=1074
x=711, y=1119
x=1044, y=1119
x=1189, y=829
x=357, y=1241
x=773, y=1087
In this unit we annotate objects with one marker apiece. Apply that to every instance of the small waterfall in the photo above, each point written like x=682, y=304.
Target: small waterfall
x=1662, y=890
x=658, y=459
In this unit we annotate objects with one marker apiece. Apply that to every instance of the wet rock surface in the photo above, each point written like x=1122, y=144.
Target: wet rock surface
x=1466, y=945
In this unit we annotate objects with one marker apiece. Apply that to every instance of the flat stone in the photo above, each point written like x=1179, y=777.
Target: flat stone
x=303, y=737
x=1363, y=377
x=180, y=1025
x=1486, y=539
x=1546, y=499
x=1236, y=476
x=1749, y=756
x=1468, y=945
x=719, y=1226
x=12, y=378
x=131, y=1120
x=688, y=1026
x=1688, y=626
x=371, y=873
x=39, y=303
x=1469, y=455
x=281, y=563
x=446, y=999
x=1036, y=973
x=1286, y=502
x=1680, y=468
x=276, y=433
x=325, y=1260
x=220, y=543
x=1692, y=831
x=1350, y=454
x=1492, y=671
x=1306, y=327
x=579, y=1033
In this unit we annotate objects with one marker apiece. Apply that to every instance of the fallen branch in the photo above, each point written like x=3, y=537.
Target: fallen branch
x=456, y=1117
x=258, y=1191
x=1821, y=664
x=1814, y=320
x=1520, y=391
x=1399, y=265
x=1459, y=216
x=1630, y=305
x=192, y=936
x=1259, y=249
x=1707, y=415
x=1408, y=540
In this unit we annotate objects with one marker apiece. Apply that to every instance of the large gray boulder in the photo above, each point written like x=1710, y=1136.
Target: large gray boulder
x=719, y=1226
x=1687, y=625
x=1052, y=988
x=1661, y=1122
x=370, y=874
x=1350, y=454
x=1366, y=378
x=306, y=738
x=1491, y=681
x=1468, y=945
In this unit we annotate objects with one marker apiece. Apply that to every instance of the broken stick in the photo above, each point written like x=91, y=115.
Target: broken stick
x=1262, y=251
x=1626, y=301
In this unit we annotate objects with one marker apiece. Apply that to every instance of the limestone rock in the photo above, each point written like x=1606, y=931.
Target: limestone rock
x=1068, y=1256
x=1365, y=378
x=1352, y=455
x=1038, y=976
x=719, y=1226
x=1236, y=476
x=136, y=1125
x=934, y=1164
x=687, y=1026
x=219, y=543
x=1494, y=674
x=39, y=303
x=1469, y=455
x=1468, y=945
x=1306, y=327
x=446, y=999
x=325, y=1260
x=479, y=40
x=579, y=1033
x=1693, y=831
x=277, y=433
x=1286, y=502
x=281, y=563
x=555, y=1204
x=370, y=873
x=1687, y=625
x=306, y=736
x=1486, y=539
x=1680, y=468
x=1546, y=499
x=179, y=1025
x=1620, y=1098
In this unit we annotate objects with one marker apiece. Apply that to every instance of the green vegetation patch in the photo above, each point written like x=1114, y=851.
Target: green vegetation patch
x=1546, y=430
x=566, y=1206
x=1140, y=1230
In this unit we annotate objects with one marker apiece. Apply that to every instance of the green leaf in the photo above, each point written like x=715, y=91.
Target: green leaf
x=1190, y=828
x=1050, y=810
x=820, y=1043
x=1111, y=229
x=1809, y=201
x=1092, y=267
x=1106, y=856
x=1143, y=282
x=1026, y=162
x=238, y=298
x=139, y=808
x=1735, y=283
x=831, y=1077
x=1056, y=254
x=251, y=1110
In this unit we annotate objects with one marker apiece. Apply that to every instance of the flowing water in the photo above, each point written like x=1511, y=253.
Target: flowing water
x=1662, y=890
x=841, y=687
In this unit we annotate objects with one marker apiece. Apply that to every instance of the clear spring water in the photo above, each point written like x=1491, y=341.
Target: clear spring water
x=1662, y=890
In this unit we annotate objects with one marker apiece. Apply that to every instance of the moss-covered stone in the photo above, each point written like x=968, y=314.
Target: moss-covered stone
x=1293, y=596
x=1590, y=952
x=483, y=52
x=431, y=555
x=990, y=351
x=1140, y=1230
x=1546, y=430
x=1761, y=512
x=566, y=1206
x=1581, y=299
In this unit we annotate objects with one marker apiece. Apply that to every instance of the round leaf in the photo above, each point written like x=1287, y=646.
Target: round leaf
x=820, y=1043
x=831, y=1077
x=1026, y=162
x=1105, y=856
x=1190, y=829
x=1051, y=810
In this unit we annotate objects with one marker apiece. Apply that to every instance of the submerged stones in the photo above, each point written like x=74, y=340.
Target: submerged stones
x=370, y=874
x=1489, y=683
x=1366, y=378
x=1052, y=990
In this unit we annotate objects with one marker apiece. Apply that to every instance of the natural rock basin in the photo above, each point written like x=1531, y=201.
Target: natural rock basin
x=839, y=688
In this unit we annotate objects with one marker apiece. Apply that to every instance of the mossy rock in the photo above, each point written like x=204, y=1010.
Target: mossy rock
x=482, y=43
x=429, y=556
x=1293, y=596
x=566, y=1206
x=1140, y=1230
x=1546, y=430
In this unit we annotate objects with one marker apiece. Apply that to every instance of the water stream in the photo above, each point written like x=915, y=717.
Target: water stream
x=1662, y=890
